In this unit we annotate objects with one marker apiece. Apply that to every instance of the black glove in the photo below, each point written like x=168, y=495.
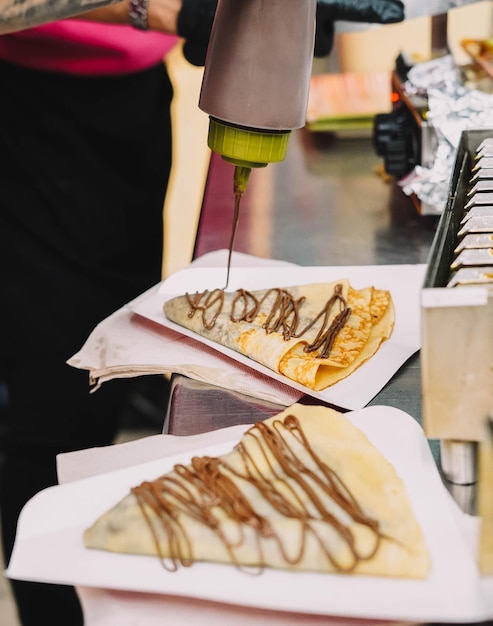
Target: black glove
x=196, y=17
x=194, y=25
x=330, y=11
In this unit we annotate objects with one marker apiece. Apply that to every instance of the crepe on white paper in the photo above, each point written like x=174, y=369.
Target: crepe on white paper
x=49, y=547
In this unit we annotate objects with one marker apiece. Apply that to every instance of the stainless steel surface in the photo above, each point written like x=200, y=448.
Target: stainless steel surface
x=327, y=203
x=459, y=460
x=465, y=496
x=185, y=418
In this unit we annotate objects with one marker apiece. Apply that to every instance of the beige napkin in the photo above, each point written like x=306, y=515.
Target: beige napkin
x=125, y=345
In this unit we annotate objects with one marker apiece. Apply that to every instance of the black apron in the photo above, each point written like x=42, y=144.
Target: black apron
x=84, y=166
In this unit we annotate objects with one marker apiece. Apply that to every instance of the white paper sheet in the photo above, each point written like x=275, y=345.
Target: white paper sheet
x=49, y=545
x=403, y=281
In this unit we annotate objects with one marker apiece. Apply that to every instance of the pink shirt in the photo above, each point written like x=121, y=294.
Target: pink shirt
x=86, y=48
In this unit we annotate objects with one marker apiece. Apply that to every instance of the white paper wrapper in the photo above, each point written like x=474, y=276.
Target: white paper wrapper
x=49, y=548
x=138, y=339
x=354, y=392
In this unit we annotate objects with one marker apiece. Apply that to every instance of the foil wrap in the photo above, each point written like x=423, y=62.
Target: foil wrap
x=452, y=108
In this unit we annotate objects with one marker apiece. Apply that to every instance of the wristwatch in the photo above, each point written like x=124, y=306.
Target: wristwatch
x=137, y=14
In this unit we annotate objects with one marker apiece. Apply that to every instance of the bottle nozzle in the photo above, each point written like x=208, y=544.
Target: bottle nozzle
x=241, y=176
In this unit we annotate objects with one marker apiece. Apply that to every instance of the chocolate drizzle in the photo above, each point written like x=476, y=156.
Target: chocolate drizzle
x=299, y=486
x=283, y=317
x=204, y=302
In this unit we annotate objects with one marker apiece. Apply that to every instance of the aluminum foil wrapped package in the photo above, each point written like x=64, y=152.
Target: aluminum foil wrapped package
x=452, y=108
x=441, y=74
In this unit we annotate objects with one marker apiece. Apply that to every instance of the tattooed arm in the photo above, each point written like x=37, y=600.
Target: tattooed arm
x=19, y=14
x=189, y=19
x=162, y=14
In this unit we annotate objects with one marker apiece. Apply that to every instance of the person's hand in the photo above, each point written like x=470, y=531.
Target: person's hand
x=373, y=11
x=194, y=25
x=196, y=16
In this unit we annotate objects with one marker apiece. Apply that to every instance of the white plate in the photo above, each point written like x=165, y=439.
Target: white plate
x=403, y=281
x=49, y=545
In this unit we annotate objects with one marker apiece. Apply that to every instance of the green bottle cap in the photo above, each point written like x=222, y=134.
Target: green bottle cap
x=246, y=147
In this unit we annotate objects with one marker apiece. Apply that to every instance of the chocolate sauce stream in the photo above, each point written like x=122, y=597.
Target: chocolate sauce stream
x=236, y=217
x=209, y=489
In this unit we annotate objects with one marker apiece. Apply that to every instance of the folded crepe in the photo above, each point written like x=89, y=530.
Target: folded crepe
x=315, y=334
x=304, y=490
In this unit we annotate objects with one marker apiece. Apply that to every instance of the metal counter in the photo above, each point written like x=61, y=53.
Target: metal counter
x=326, y=204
